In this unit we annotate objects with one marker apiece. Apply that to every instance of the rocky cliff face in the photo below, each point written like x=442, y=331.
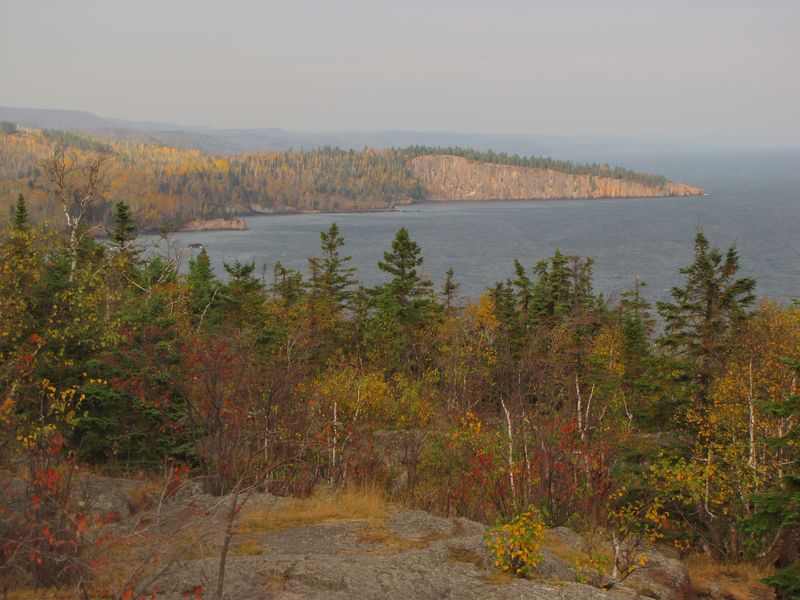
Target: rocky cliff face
x=456, y=178
x=216, y=224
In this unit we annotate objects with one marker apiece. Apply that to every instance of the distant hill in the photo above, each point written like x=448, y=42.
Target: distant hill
x=228, y=142
x=66, y=120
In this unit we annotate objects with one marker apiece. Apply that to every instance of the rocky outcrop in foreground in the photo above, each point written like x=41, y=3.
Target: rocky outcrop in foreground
x=414, y=557
x=456, y=178
x=410, y=555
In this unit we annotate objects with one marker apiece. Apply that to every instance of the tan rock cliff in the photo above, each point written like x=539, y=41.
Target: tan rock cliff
x=456, y=178
x=216, y=224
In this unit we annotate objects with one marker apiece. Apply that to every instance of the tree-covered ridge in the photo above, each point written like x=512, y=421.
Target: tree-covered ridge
x=163, y=184
x=540, y=162
x=540, y=398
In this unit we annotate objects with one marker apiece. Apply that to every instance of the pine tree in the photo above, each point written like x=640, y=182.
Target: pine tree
x=330, y=278
x=125, y=225
x=524, y=292
x=204, y=288
x=700, y=320
x=20, y=215
x=287, y=284
x=407, y=295
x=449, y=288
x=243, y=294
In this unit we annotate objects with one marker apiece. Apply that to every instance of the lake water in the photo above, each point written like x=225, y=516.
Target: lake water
x=753, y=200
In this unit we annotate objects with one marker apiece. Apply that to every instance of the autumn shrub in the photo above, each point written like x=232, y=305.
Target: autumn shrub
x=464, y=472
x=46, y=525
x=592, y=571
x=516, y=544
x=218, y=382
x=570, y=476
x=619, y=544
x=348, y=404
x=349, y=394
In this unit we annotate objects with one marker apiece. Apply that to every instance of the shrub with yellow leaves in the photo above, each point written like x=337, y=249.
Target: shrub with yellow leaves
x=516, y=544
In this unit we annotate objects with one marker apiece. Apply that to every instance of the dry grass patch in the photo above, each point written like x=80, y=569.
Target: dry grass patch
x=498, y=577
x=378, y=534
x=465, y=555
x=276, y=580
x=143, y=496
x=560, y=550
x=23, y=592
x=247, y=547
x=352, y=504
x=736, y=580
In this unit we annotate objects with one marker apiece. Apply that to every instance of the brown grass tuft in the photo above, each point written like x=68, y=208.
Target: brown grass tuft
x=247, y=547
x=498, y=577
x=560, y=550
x=464, y=555
x=143, y=496
x=738, y=581
x=366, y=503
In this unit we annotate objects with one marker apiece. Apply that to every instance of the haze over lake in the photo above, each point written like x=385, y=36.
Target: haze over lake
x=753, y=200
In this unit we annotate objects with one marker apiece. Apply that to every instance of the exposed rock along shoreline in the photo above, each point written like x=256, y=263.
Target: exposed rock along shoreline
x=216, y=225
x=449, y=178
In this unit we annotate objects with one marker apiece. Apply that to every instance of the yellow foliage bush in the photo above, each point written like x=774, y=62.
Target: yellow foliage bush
x=516, y=545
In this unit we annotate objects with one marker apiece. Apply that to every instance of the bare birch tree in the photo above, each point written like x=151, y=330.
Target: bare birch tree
x=79, y=182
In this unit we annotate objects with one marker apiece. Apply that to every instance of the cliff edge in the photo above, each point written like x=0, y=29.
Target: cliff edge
x=448, y=178
x=216, y=225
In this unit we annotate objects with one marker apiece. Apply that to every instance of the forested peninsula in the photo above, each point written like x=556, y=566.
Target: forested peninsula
x=186, y=188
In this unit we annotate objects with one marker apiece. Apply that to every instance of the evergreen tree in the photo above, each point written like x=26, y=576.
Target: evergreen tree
x=330, y=278
x=407, y=295
x=204, y=288
x=561, y=288
x=507, y=311
x=524, y=293
x=581, y=296
x=125, y=228
x=21, y=215
x=449, y=288
x=287, y=284
x=638, y=382
x=243, y=295
x=699, y=321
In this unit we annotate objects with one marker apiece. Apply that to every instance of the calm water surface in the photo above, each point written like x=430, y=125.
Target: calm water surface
x=753, y=200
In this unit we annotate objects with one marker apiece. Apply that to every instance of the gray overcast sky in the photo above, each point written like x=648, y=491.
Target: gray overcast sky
x=551, y=67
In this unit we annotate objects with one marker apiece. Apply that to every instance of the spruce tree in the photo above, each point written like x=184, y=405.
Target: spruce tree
x=204, y=288
x=700, y=320
x=407, y=295
x=524, y=292
x=449, y=288
x=125, y=228
x=21, y=215
x=330, y=278
x=243, y=294
x=287, y=285
x=564, y=285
